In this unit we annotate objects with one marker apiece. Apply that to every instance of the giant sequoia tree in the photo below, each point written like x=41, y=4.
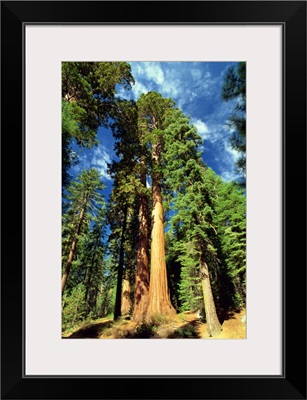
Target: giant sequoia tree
x=152, y=109
x=161, y=189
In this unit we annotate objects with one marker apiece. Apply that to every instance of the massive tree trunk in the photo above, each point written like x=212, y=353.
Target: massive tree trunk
x=213, y=325
x=141, y=274
x=118, y=300
x=73, y=246
x=126, y=299
x=159, y=298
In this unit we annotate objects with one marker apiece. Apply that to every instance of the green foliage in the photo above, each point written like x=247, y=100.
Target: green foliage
x=73, y=307
x=88, y=101
x=143, y=331
x=185, y=332
x=234, y=89
x=83, y=219
x=205, y=217
x=230, y=222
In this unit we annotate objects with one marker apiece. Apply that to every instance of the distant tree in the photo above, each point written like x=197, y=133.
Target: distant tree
x=195, y=245
x=83, y=197
x=192, y=215
x=230, y=223
x=92, y=258
x=107, y=292
x=234, y=88
x=73, y=306
x=121, y=218
x=124, y=198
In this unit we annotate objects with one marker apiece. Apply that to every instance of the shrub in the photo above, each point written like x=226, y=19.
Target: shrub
x=74, y=307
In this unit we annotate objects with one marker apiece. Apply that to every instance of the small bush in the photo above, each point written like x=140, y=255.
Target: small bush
x=186, y=332
x=74, y=307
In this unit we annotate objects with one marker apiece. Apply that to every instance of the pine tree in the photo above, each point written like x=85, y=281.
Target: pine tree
x=230, y=222
x=93, y=260
x=121, y=217
x=88, y=101
x=196, y=248
x=192, y=216
x=234, y=88
x=125, y=193
x=83, y=197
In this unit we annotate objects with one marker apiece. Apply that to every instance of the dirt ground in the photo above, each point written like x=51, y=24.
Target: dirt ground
x=233, y=326
x=184, y=326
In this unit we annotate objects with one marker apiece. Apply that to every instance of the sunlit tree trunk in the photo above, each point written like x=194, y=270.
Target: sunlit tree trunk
x=126, y=293
x=159, y=297
x=213, y=325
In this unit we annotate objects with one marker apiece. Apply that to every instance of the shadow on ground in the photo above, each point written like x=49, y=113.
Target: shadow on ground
x=187, y=331
x=92, y=331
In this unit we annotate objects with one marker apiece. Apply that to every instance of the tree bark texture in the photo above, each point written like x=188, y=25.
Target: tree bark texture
x=213, y=325
x=126, y=292
x=159, y=298
x=142, y=276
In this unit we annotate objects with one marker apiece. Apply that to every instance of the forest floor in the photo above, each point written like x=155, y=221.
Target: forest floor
x=186, y=325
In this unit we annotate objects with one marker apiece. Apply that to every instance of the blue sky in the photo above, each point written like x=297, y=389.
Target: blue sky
x=196, y=89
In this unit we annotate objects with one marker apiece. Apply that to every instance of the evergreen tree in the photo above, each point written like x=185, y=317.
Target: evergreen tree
x=88, y=101
x=121, y=218
x=84, y=197
x=93, y=260
x=196, y=248
x=234, y=88
x=193, y=215
x=106, y=297
x=124, y=195
x=152, y=109
x=230, y=222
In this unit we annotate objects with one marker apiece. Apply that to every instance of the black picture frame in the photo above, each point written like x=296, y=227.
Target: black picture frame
x=292, y=383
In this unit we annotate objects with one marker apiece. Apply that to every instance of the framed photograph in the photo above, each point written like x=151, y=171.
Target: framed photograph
x=161, y=175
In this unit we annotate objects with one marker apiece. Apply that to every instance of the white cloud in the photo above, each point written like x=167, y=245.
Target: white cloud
x=153, y=71
x=100, y=160
x=138, y=89
x=229, y=176
x=201, y=127
x=182, y=84
x=233, y=154
x=226, y=159
x=196, y=73
x=83, y=163
x=172, y=88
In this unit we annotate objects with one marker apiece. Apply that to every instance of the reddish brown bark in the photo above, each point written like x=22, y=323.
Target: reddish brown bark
x=73, y=247
x=159, y=299
x=141, y=275
x=213, y=325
